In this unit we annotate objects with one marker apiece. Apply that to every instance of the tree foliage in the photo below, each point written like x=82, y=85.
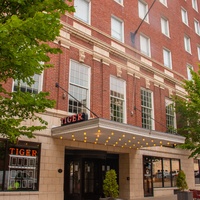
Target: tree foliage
x=181, y=182
x=25, y=28
x=188, y=112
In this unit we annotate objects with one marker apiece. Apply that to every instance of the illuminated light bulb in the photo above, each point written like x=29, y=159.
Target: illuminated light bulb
x=141, y=146
x=168, y=143
x=134, y=145
x=161, y=145
x=134, y=138
x=98, y=135
x=122, y=146
x=147, y=143
x=154, y=144
x=97, y=139
x=125, y=144
x=109, y=137
x=130, y=147
x=106, y=140
x=84, y=133
x=105, y=144
x=85, y=138
x=95, y=142
x=120, y=139
x=85, y=141
x=137, y=148
x=143, y=139
x=152, y=141
x=123, y=135
x=174, y=144
x=129, y=141
x=72, y=135
x=99, y=131
x=116, y=142
x=138, y=142
x=60, y=138
x=114, y=145
x=74, y=139
x=160, y=142
x=112, y=133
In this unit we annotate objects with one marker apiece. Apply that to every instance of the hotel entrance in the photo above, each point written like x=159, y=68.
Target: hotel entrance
x=85, y=172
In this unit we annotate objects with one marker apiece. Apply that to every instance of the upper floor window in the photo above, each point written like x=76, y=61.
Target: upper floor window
x=184, y=16
x=167, y=58
x=117, y=29
x=195, y=5
x=117, y=99
x=189, y=68
x=142, y=10
x=196, y=27
x=164, y=2
x=145, y=45
x=198, y=51
x=165, y=26
x=170, y=116
x=119, y=1
x=187, y=44
x=147, y=109
x=79, y=82
x=34, y=88
x=82, y=8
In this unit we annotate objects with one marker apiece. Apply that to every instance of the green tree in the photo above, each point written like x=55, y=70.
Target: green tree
x=26, y=27
x=181, y=182
x=188, y=114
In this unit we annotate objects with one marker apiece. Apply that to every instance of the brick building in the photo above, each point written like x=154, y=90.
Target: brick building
x=122, y=61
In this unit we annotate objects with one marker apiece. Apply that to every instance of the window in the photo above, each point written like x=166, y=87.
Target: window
x=34, y=88
x=117, y=99
x=164, y=2
x=147, y=109
x=170, y=116
x=165, y=26
x=198, y=51
x=82, y=8
x=119, y=1
x=197, y=171
x=142, y=10
x=184, y=16
x=167, y=58
x=117, y=29
x=79, y=87
x=164, y=171
x=145, y=45
x=189, y=68
x=194, y=5
x=19, y=166
x=187, y=44
x=196, y=27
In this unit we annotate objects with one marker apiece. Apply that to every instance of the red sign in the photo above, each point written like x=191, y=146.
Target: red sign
x=74, y=119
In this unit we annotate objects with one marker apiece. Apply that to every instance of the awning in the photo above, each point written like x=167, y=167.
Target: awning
x=107, y=132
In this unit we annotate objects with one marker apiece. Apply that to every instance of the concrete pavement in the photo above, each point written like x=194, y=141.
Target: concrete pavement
x=171, y=197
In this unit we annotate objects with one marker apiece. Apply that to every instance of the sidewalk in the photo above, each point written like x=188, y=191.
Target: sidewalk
x=171, y=197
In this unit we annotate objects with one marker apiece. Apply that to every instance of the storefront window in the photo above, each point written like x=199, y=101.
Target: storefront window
x=19, y=165
x=197, y=171
x=164, y=171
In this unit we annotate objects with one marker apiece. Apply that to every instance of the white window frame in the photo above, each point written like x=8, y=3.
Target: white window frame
x=198, y=51
x=195, y=5
x=171, y=115
x=32, y=87
x=117, y=34
x=79, y=85
x=189, y=75
x=119, y=2
x=164, y=2
x=196, y=27
x=145, y=48
x=149, y=109
x=184, y=16
x=165, y=26
x=187, y=44
x=118, y=86
x=80, y=12
x=142, y=10
x=167, y=58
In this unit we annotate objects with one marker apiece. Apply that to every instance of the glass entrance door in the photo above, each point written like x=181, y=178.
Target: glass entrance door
x=147, y=177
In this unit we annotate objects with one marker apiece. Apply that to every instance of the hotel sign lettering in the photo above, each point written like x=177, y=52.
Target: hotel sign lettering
x=73, y=119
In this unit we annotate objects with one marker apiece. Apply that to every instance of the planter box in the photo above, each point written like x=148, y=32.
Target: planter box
x=185, y=195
